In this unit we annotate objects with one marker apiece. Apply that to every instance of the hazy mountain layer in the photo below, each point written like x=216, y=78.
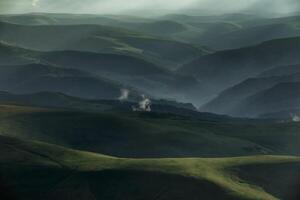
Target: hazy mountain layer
x=229, y=99
x=223, y=69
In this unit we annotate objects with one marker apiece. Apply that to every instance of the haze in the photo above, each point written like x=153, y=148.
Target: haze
x=151, y=7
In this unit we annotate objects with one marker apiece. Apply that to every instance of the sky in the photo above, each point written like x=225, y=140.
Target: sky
x=162, y=6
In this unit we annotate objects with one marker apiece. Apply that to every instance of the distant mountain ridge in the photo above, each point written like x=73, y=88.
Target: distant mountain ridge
x=224, y=69
x=128, y=72
x=228, y=101
x=38, y=77
x=281, y=71
x=99, y=39
x=281, y=97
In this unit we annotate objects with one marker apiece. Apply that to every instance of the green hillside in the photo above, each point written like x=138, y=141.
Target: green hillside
x=26, y=167
x=200, y=104
x=273, y=177
x=123, y=134
x=130, y=134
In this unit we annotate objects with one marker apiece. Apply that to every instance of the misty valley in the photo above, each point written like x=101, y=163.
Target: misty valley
x=180, y=103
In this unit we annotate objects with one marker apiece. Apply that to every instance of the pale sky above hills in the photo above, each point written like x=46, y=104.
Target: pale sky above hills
x=163, y=6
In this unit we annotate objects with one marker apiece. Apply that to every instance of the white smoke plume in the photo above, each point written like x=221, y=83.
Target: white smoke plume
x=124, y=95
x=34, y=3
x=295, y=118
x=144, y=105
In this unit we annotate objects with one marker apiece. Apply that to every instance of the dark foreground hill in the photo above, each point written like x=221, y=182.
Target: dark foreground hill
x=154, y=134
x=32, y=170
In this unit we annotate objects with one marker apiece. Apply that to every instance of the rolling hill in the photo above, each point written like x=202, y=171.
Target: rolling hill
x=38, y=77
x=9, y=55
x=70, y=19
x=55, y=19
x=99, y=39
x=26, y=166
x=281, y=97
x=62, y=101
x=263, y=176
x=234, y=17
x=100, y=107
x=289, y=20
x=159, y=28
x=125, y=134
x=154, y=134
x=247, y=36
x=223, y=69
x=283, y=115
x=137, y=73
x=230, y=98
x=123, y=72
x=235, y=30
x=281, y=71
x=221, y=32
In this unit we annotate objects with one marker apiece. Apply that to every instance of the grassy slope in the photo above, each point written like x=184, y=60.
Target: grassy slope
x=127, y=134
x=272, y=178
x=123, y=134
x=215, y=171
